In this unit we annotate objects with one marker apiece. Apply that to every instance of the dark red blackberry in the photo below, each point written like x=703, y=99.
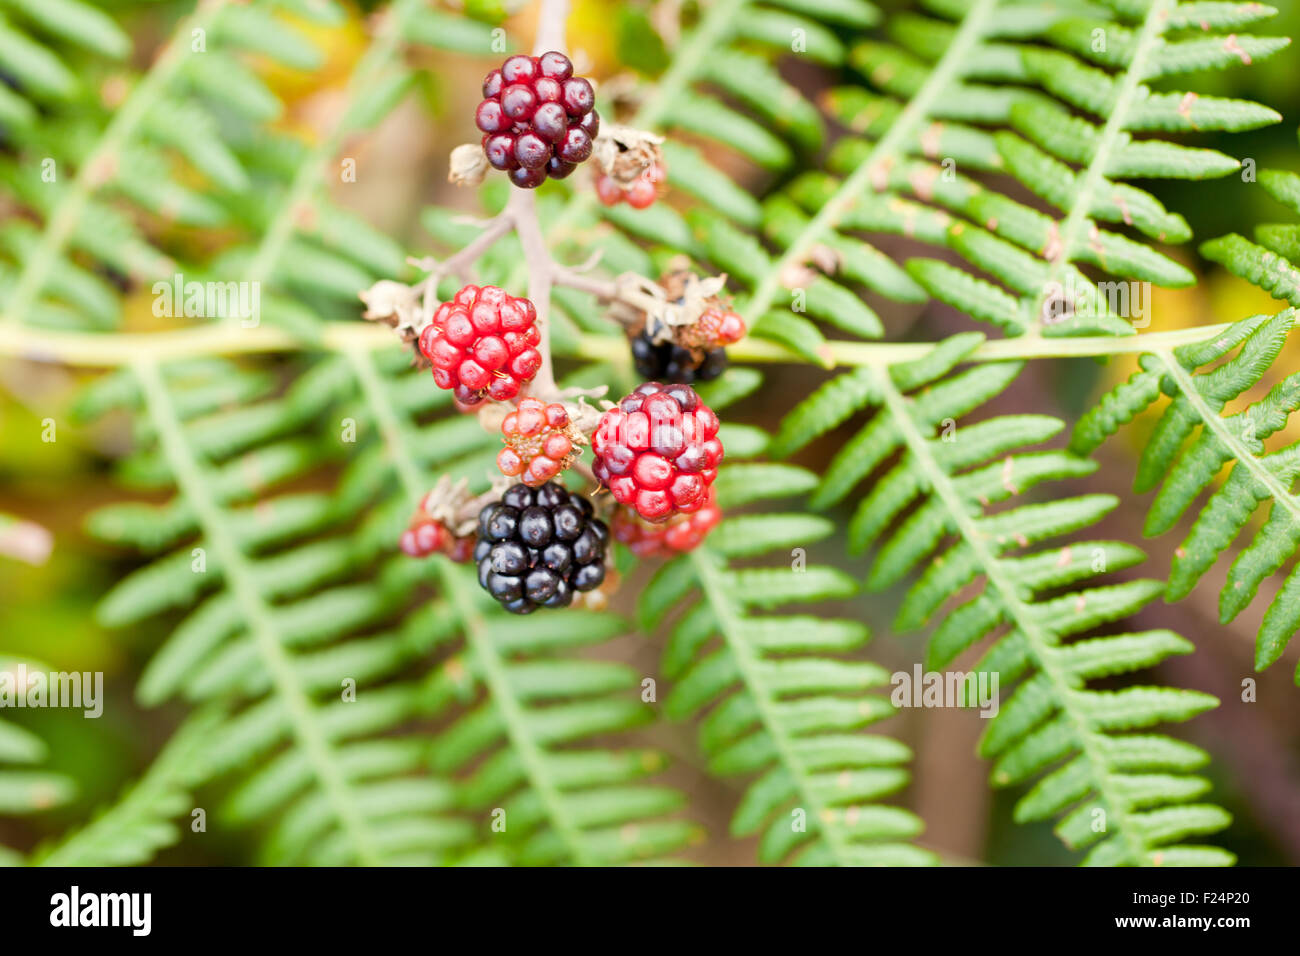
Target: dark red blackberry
x=538, y=547
x=537, y=118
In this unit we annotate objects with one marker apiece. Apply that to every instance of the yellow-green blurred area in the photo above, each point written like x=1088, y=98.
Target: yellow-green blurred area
x=48, y=610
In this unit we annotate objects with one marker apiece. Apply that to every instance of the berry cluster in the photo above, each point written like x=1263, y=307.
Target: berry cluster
x=541, y=441
x=658, y=450
x=665, y=539
x=638, y=194
x=539, y=547
x=691, y=352
x=537, y=118
x=483, y=344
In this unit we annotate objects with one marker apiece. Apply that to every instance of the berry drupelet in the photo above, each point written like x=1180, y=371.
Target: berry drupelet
x=669, y=362
x=539, y=547
x=425, y=536
x=541, y=441
x=639, y=194
x=658, y=451
x=666, y=539
x=483, y=344
x=537, y=118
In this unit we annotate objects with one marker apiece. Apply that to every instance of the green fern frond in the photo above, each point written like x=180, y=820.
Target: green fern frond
x=1119, y=793
x=786, y=694
x=476, y=739
x=784, y=703
x=139, y=824
x=558, y=803
x=1270, y=261
x=159, y=115
x=1193, y=440
x=295, y=599
x=970, y=97
x=24, y=790
x=190, y=146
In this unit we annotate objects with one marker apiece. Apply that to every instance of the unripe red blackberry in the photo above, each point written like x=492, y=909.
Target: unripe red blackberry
x=425, y=536
x=658, y=451
x=639, y=194
x=541, y=442
x=539, y=547
x=716, y=328
x=666, y=539
x=461, y=550
x=483, y=344
x=537, y=118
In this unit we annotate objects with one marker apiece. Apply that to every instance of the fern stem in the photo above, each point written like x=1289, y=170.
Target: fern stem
x=1009, y=596
x=415, y=483
x=1278, y=488
x=493, y=671
x=728, y=620
x=108, y=350
x=100, y=164
x=691, y=56
x=195, y=486
x=1148, y=38
x=899, y=136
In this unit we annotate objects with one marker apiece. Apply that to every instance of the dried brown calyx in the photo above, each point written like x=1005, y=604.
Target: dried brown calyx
x=625, y=154
x=398, y=306
x=694, y=315
x=468, y=165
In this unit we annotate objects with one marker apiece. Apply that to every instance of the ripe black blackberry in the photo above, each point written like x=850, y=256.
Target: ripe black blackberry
x=669, y=362
x=537, y=547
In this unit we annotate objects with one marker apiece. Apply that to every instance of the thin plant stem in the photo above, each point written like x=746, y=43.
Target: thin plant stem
x=101, y=350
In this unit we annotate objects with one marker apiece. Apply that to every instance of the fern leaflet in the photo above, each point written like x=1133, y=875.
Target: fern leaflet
x=1193, y=440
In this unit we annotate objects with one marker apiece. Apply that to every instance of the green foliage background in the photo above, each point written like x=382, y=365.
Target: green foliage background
x=462, y=712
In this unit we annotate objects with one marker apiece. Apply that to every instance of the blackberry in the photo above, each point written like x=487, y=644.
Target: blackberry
x=667, y=539
x=639, y=194
x=537, y=118
x=669, y=362
x=539, y=547
x=424, y=536
x=658, y=451
x=541, y=441
x=483, y=344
